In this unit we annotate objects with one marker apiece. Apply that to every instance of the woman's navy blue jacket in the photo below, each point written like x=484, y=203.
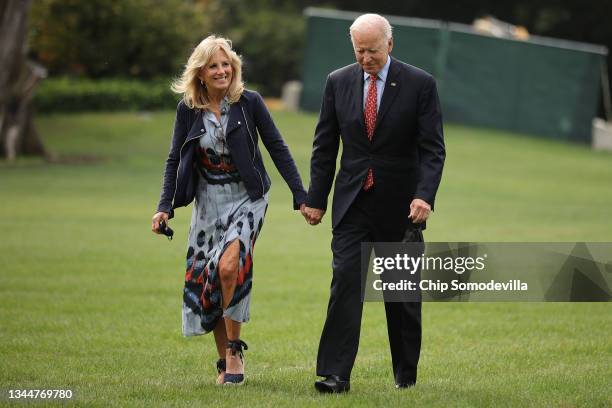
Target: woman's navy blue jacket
x=248, y=119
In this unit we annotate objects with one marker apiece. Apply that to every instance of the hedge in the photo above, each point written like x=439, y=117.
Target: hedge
x=77, y=95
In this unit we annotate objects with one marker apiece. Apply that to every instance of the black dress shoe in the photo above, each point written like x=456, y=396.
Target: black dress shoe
x=404, y=385
x=332, y=384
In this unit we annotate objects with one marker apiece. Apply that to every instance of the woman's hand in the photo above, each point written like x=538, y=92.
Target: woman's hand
x=157, y=219
x=313, y=216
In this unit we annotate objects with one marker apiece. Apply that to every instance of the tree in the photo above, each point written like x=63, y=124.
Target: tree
x=140, y=39
x=269, y=34
x=18, y=80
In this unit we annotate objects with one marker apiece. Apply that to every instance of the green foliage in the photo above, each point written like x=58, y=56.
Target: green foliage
x=268, y=34
x=146, y=38
x=76, y=95
x=106, y=38
x=271, y=43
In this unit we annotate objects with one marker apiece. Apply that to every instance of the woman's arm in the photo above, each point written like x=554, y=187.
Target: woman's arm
x=178, y=138
x=279, y=152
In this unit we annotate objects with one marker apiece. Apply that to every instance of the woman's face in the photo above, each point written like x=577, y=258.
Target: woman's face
x=217, y=74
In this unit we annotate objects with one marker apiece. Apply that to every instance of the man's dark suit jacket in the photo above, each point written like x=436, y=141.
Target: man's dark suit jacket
x=407, y=151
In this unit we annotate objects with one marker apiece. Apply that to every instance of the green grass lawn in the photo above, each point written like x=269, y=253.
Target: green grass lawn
x=91, y=299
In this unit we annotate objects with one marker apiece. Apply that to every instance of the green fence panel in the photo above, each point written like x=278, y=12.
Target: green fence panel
x=328, y=48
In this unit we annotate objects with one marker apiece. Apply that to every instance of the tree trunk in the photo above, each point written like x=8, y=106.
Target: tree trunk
x=18, y=80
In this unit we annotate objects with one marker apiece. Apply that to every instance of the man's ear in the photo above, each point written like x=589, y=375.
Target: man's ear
x=390, y=44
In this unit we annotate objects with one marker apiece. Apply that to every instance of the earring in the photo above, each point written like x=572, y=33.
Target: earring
x=202, y=83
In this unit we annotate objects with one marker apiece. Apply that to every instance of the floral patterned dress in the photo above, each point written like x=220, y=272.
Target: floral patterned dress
x=222, y=213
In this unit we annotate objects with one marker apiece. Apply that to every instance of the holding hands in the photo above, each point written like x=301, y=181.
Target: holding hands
x=312, y=216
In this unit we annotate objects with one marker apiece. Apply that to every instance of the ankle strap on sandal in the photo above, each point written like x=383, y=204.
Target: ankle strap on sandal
x=237, y=346
x=221, y=365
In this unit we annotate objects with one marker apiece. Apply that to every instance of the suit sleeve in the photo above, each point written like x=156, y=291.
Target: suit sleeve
x=324, y=150
x=279, y=152
x=430, y=143
x=169, y=182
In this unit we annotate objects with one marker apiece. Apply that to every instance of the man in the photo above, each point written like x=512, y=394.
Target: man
x=388, y=116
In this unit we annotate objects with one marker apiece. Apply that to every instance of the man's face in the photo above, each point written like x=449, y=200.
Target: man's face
x=371, y=49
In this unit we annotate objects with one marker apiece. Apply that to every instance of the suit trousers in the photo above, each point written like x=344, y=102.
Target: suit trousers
x=370, y=218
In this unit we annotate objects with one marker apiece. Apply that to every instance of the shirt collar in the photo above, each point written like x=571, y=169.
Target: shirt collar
x=224, y=106
x=382, y=74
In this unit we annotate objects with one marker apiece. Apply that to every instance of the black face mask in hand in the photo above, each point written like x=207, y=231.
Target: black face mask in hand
x=166, y=230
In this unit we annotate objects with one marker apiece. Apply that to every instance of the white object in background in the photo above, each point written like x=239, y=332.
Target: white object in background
x=602, y=135
x=291, y=95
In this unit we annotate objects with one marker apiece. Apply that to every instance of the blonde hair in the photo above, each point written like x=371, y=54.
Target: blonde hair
x=188, y=84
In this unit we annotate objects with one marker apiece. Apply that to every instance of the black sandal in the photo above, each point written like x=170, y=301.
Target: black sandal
x=221, y=363
x=236, y=347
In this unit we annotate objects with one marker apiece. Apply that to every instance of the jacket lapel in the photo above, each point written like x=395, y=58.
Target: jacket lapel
x=235, y=118
x=358, y=97
x=391, y=90
x=197, y=127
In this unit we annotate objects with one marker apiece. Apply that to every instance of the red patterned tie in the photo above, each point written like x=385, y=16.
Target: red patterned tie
x=370, y=122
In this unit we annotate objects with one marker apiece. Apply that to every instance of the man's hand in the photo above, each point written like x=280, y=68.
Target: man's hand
x=313, y=216
x=419, y=211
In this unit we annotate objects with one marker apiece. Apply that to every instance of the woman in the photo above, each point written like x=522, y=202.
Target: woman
x=215, y=160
